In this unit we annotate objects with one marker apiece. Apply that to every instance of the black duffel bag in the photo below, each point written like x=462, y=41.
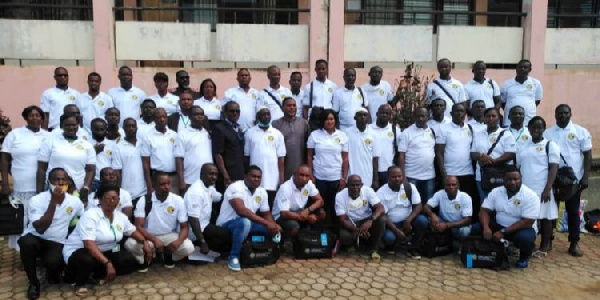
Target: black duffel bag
x=259, y=250
x=436, y=244
x=311, y=243
x=477, y=252
x=566, y=183
x=11, y=217
x=592, y=220
x=493, y=176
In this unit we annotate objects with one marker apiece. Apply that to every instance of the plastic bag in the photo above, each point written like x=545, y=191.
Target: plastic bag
x=563, y=224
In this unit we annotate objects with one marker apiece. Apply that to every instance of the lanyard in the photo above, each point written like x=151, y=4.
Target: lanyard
x=520, y=133
x=112, y=229
x=185, y=124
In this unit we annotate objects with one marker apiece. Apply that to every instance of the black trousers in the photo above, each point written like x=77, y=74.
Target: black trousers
x=217, y=238
x=467, y=185
x=572, y=209
x=82, y=264
x=50, y=252
x=348, y=238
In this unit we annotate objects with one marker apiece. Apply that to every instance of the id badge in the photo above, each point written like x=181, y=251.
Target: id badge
x=116, y=248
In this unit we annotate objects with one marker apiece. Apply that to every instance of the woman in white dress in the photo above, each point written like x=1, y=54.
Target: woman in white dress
x=538, y=160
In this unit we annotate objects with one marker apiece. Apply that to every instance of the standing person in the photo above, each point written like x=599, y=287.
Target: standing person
x=196, y=145
x=209, y=102
x=127, y=162
x=264, y=147
x=384, y=138
x=160, y=149
x=19, y=157
x=228, y=147
x=162, y=97
x=94, y=103
x=445, y=87
x=49, y=214
x=319, y=92
x=297, y=91
x=295, y=132
x=183, y=84
x=482, y=88
x=54, y=99
x=477, y=118
x=575, y=144
x=438, y=117
x=416, y=154
x=103, y=149
x=126, y=97
x=522, y=90
x=181, y=119
x=348, y=99
x=327, y=157
x=272, y=96
x=146, y=122
x=363, y=155
x=113, y=119
x=517, y=128
x=379, y=92
x=245, y=96
x=538, y=161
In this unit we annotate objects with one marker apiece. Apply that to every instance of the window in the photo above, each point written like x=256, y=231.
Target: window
x=513, y=6
x=47, y=9
x=573, y=14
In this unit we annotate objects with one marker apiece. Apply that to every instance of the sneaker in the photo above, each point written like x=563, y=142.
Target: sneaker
x=143, y=268
x=375, y=257
x=234, y=264
x=168, y=260
x=574, y=250
x=414, y=254
x=523, y=263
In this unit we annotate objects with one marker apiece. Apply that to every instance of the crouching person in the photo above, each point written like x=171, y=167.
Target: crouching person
x=292, y=208
x=455, y=209
x=361, y=216
x=242, y=200
x=403, y=208
x=516, y=208
x=158, y=224
x=94, y=246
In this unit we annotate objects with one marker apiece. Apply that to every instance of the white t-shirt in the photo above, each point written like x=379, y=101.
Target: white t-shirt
x=485, y=91
x=521, y=136
x=533, y=161
x=23, y=146
x=484, y=141
x=127, y=158
x=143, y=128
x=419, y=146
x=457, y=158
x=93, y=108
x=197, y=150
x=299, y=98
x=127, y=101
x=198, y=202
x=477, y=127
x=162, y=148
x=164, y=217
x=322, y=93
x=54, y=100
x=104, y=158
x=81, y=133
x=524, y=204
x=327, y=162
x=435, y=125
x=169, y=102
x=94, y=226
x=248, y=104
x=125, y=200
x=274, y=107
x=513, y=93
x=72, y=156
x=452, y=86
x=383, y=141
x=356, y=209
x=452, y=210
x=572, y=140
x=257, y=201
x=361, y=151
x=397, y=205
x=212, y=108
x=64, y=213
x=264, y=149
x=290, y=198
x=377, y=95
x=345, y=102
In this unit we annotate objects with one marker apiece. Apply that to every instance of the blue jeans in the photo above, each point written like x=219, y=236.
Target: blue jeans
x=419, y=224
x=240, y=228
x=426, y=188
x=524, y=239
x=461, y=232
x=328, y=190
x=482, y=194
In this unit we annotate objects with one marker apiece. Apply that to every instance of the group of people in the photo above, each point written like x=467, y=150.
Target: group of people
x=124, y=179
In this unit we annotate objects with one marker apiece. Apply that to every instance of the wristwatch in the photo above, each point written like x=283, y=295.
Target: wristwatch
x=503, y=231
x=310, y=210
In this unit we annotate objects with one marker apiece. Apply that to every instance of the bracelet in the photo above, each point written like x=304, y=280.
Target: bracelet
x=85, y=188
x=107, y=262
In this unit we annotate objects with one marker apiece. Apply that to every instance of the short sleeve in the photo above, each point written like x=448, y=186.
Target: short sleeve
x=192, y=206
x=233, y=193
x=312, y=189
x=182, y=216
x=488, y=203
x=35, y=210
x=381, y=196
x=539, y=91
x=416, y=196
x=462, y=95
x=128, y=228
x=553, y=153
x=531, y=208
x=440, y=137
x=503, y=91
x=467, y=206
x=281, y=150
x=140, y=208
x=145, y=148
x=45, y=150
x=335, y=102
x=80, y=208
x=403, y=141
x=429, y=93
x=227, y=96
x=126, y=200
x=372, y=196
x=264, y=205
x=496, y=92
x=87, y=227
x=508, y=143
x=8, y=142
x=215, y=196
x=178, y=150
x=282, y=199
x=117, y=163
x=389, y=92
x=91, y=155
x=434, y=201
x=310, y=144
x=345, y=143
x=45, y=102
x=586, y=140
x=340, y=207
x=305, y=99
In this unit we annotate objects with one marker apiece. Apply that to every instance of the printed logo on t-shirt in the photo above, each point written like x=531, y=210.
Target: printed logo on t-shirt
x=282, y=96
x=517, y=202
x=133, y=97
x=489, y=86
x=403, y=196
x=305, y=192
x=368, y=141
x=79, y=147
x=253, y=96
x=390, y=134
x=524, y=137
x=381, y=92
x=217, y=106
x=172, y=140
x=539, y=148
x=72, y=98
x=468, y=131
x=571, y=136
x=454, y=86
x=492, y=139
x=119, y=228
x=108, y=152
x=457, y=206
x=170, y=209
x=431, y=135
x=101, y=103
x=330, y=90
x=270, y=138
x=359, y=96
x=69, y=210
x=257, y=199
x=529, y=86
x=338, y=140
x=169, y=101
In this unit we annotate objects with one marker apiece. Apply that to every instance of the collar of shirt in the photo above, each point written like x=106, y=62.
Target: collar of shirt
x=233, y=125
x=458, y=126
x=443, y=80
x=156, y=132
x=569, y=126
x=485, y=80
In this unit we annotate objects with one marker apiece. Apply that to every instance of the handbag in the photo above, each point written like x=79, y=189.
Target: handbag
x=493, y=177
x=566, y=183
x=259, y=250
x=11, y=217
x=310, y=243
x=436, y=244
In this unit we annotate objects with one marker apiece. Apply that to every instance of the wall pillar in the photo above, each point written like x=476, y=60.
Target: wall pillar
x=104, y=40
x=336, y=40
x=318, y=28
x=534, y=35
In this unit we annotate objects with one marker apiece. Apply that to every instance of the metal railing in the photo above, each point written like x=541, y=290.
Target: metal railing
x=47, y=11
x=560, y=20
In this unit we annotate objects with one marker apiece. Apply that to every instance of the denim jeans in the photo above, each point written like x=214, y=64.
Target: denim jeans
x=419, y=224
x=461, y=232
x=426, y=188
x=240, y=228
x=524, y=239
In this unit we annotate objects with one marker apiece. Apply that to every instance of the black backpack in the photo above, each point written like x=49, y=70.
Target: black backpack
x=259, y=250
x=477, y=252
x=436, y=244
x=312, y=243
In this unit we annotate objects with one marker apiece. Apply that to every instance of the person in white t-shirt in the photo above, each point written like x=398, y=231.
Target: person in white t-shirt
x=482, y=88
x=522, y=90
x=575, y=144
x=379, y=92
x=72, y=109
x=103, y=148
x=361, y=215
x=517, y=128
x=438, y=117
x=245, y=96
x=272, y=96
x=477, y=120
x=108, y=176
x=196, y=145
x=445, y=87
x=297, y=91
x=146, y=121
x=363, y=155
x=455, y=209
x=164, y=225
x=94, y=103
x=208, y=101
x=242, y=201
x=127, y=162
x=162, y=97
x=54, y=99
x=384, y=139
x=348, y=99
x=318, y=92
x=298, y=203
x=126, y=97
x=516, y=208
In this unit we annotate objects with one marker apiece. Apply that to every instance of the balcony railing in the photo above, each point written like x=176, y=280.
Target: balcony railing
x=51, y=10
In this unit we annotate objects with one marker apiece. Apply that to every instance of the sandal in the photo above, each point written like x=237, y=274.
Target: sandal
x=81, y=291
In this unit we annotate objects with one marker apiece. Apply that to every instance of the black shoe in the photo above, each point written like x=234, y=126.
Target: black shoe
x=53, y=280
x=168, y=260
x=33, y=292
x=574, y=250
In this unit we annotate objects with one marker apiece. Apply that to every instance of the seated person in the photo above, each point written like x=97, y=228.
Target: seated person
x=292, y=208
x=403, y=214
x=158, y=224
x=516, y=208
x=455, y=209
x=361, y=215
x=108, y=176
x=49, y=215
x=94, y=246
x=199, y=200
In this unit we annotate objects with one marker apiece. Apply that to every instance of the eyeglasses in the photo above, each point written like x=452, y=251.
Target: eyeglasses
x=237, y=111
x=61, y=75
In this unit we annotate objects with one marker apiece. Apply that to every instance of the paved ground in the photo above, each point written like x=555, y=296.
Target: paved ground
x=558, y=276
